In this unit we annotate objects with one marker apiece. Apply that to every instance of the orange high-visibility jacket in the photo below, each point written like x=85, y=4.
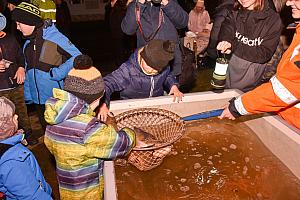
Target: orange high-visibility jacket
x=282, y=93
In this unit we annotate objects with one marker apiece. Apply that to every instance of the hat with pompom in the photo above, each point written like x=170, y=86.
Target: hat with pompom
x=84, y=80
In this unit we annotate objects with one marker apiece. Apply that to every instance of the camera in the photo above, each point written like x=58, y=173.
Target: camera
x=156, y=1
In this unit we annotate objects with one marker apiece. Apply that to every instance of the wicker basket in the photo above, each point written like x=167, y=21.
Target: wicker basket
x=165, y=126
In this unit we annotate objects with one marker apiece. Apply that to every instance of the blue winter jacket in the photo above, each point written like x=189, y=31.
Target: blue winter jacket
x=20, y=175
x=174, y=17
x=39, y=84
x=133, y=83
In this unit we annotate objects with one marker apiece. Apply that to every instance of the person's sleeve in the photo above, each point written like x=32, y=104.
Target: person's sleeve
x=22, y=183
x=227, y=31
x=129, y=25
x=67, y=48
x=27, y=94
x=108, y=144
x=115, y=82
x=207, y=18
x=267, y=42
x=262, y=99
x=190, y=21
x=170, y=81
x=176, y=14
x=20, y=61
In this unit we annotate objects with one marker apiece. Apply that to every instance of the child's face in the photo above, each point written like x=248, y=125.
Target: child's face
x=25, y=29
x=199, y=7
x=147, y=69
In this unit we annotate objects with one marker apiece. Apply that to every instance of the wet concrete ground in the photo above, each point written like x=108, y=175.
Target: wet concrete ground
x=94, y=40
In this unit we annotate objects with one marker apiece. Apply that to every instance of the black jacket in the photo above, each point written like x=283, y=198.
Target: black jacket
x=254, y=35
x=11, y=51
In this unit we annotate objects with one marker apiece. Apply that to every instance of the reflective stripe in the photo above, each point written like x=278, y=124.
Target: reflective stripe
x=47, y=10
x=240, y=107
x=283, y=93
x=297, y=105
x=295, y=52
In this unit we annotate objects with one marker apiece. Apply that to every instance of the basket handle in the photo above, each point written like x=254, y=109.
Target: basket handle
x=203, y=115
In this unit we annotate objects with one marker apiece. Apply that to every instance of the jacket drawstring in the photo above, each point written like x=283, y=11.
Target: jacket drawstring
x=152, y=86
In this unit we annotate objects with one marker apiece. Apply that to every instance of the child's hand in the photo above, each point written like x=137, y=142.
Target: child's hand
x=20, y=75
x=103, y=112
x=177, y=94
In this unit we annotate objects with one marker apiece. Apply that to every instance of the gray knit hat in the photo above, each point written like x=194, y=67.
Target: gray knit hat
x=84, y=82
x=158, y=53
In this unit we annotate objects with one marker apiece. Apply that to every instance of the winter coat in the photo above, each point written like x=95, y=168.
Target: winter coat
x=49, y=57
x=173, y=17
x=20, y=175
x=80, y=143
x=63, y=18
x=133, y=83
x=221, y=13
x=198, y=21
x=281, y=94
x=254, y=35
x=12, y=52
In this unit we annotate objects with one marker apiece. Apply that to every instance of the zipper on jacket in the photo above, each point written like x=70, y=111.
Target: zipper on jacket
x=11, y=81
x=34, y=71
x=152, y=86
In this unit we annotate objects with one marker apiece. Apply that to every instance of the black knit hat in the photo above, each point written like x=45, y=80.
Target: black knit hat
x=85, y=81
x=158, y=53
x=28, y=14
x=14, y=2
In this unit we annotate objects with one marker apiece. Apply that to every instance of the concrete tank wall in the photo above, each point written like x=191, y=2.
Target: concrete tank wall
x=282, y=139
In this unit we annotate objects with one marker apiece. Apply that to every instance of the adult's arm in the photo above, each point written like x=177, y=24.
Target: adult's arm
x=176, y=14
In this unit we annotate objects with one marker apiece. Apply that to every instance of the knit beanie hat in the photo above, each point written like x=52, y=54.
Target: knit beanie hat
x=28, y=14
x=85, y=81
x=158, y=53
x=2, y=22
x=7, y=111
x=14, y=2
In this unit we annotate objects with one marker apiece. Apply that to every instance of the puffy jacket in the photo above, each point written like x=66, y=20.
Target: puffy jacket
x=173, y=16
x=133, y=83
x=281, y=94
x=12, y=52
x=254, y=35
x=49, y=57
x=20, y=175
x=79, y=142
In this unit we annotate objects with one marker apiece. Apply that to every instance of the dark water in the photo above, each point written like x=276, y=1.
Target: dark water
x=216, y=159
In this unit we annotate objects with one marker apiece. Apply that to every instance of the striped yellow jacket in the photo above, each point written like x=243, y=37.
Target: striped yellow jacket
x=79, y=143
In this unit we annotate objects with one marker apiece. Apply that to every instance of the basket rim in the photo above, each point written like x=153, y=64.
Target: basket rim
x=154, y=110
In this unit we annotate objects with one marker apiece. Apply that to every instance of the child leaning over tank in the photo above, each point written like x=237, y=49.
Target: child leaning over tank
x=20, y=174
x=146, y=74
x=79, y=141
